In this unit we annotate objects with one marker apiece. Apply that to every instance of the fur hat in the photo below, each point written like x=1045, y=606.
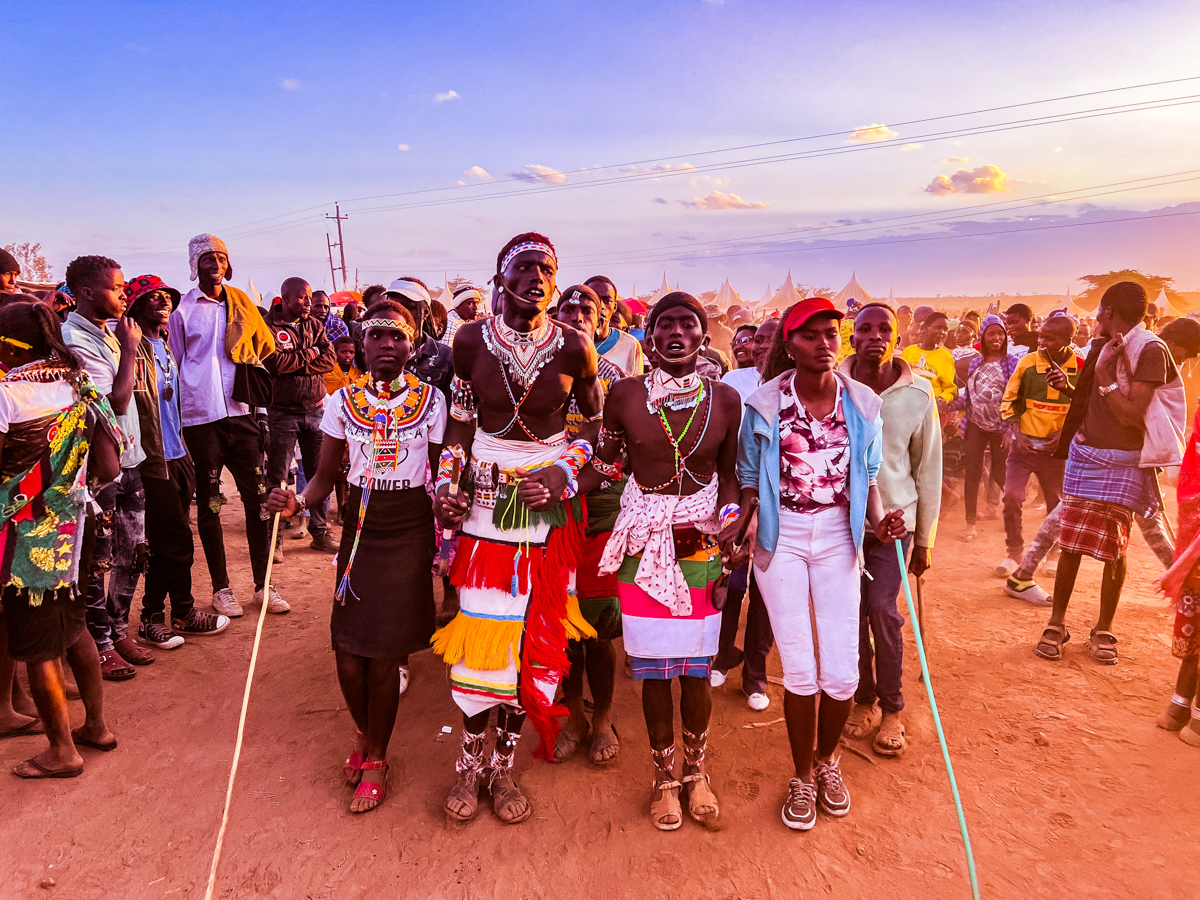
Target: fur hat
x=207, y=243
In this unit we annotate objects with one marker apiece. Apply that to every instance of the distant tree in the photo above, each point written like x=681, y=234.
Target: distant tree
x=1154, y=284
x=33, y=265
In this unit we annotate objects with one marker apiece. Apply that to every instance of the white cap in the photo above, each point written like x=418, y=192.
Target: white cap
x=410, y=289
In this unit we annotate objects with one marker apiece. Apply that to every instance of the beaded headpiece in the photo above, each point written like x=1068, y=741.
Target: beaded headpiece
x=397, y=324
x=527, y=245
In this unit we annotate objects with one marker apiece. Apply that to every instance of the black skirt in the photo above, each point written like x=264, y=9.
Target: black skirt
x=389, y=609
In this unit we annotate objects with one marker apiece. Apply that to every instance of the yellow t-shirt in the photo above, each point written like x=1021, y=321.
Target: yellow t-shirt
x=937, y=365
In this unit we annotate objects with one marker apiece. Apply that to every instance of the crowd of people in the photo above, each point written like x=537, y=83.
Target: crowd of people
x=573, y=473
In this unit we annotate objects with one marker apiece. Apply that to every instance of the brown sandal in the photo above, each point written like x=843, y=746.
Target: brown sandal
x=890, y=740
x=665, y=811
x=463, y=800
x=114, y=668
x=1103, y=645
x=1051, y=645
x=862, y=721
x=700, y=792
x=132, y=652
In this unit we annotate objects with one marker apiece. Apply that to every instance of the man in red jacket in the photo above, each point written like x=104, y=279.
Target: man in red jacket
x=302, y=356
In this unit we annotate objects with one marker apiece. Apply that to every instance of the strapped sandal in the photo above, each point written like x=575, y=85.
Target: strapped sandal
x=113, y=667
x=470, y=775
x=890, y=740
x=371, y=790
x=699, y=786
x=862, y=721
x=501, y=783
x=1103, y=645
x=665, y=810
x=1051, y=645
x=354, y=763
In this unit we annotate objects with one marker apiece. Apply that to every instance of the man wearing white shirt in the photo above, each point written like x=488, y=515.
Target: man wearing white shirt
x=221, y=432
x=619, y=348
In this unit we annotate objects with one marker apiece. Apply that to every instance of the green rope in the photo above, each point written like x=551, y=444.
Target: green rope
x=937, y=721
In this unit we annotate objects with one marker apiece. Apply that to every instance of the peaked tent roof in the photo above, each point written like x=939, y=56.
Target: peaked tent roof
x=1163, y=302
x=663, y=290
x=726, y=297
x=853, y=291
x=784, y=297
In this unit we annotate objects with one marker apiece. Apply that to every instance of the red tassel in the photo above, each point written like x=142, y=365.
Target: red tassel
x=482, y=564
x=544, y=649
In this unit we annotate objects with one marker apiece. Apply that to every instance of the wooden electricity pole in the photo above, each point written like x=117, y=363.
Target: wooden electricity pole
x=339, y=218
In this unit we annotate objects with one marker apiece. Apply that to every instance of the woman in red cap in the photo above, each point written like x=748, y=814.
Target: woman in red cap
x=809, y=450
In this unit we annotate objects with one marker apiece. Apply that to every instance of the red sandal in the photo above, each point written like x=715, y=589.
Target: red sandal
x=371, y=790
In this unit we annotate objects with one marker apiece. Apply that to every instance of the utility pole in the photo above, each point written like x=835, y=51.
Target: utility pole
x=339, y=218
x=332, y=274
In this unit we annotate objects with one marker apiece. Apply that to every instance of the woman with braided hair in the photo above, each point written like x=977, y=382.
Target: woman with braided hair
x=383, y=606
x=58, y=439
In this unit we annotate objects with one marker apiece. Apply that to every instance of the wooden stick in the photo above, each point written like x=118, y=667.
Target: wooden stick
x=237, y=747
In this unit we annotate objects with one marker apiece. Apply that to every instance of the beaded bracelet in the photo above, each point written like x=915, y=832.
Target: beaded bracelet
x=611, y=471
x=445, y=468
x=572, y=486
x=729, y=514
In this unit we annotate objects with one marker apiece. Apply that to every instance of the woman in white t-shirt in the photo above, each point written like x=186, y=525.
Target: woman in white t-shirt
x=392, y=426
x=57, y=438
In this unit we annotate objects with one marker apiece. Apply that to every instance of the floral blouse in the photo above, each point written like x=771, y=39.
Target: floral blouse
x=814, y=458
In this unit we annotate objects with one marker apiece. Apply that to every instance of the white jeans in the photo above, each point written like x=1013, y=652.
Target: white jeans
x=814, y=576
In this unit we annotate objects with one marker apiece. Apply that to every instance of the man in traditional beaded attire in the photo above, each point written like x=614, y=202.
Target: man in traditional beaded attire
x=515, y=375
x=679, y=431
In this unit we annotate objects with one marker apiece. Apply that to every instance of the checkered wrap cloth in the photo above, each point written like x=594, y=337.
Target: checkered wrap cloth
x=1111, y=476
x=1095, y=528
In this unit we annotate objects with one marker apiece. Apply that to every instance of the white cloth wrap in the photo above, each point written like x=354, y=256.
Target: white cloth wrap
x=644, y=526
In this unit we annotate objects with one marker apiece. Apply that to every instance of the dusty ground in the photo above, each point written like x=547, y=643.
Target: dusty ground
x=1067, y=784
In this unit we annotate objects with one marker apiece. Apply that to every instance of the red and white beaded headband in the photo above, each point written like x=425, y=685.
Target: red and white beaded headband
x=528, y=245
x=397, y=324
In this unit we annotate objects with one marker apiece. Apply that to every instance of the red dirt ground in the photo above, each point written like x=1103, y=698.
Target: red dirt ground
x=1067, y=783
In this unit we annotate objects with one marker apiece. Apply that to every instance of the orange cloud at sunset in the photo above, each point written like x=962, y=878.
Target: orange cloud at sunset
x=980, y=180
x=868, y=134
x=720, y=200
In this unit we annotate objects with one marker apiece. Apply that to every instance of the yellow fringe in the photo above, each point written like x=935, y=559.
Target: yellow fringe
x=483, y=644
x=578, y=627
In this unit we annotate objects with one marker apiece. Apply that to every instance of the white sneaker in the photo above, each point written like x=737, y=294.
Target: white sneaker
x=275, y=604
x=716, y=678
x=1006, y=567
x=403, y=679
x=758, y=702
x=1033, y=593
x=226, y=604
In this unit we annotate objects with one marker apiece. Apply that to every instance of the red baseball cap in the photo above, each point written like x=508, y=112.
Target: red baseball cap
x=806, y=309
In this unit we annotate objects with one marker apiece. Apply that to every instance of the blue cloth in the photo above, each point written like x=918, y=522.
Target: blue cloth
x=335, y=328
x=758, y=457
x=168, y=410
x=1111, y=476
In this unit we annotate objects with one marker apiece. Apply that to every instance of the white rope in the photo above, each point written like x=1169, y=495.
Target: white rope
x=237, y=749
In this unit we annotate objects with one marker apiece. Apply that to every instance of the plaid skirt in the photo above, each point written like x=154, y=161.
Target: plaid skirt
x=1095, y=528
x=644, y=669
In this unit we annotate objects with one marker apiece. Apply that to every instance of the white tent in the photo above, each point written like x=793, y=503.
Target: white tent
x=726, y=297
x=852, y=291
x=891, y=298
x=663, y=290
x=784, y=297
x=1073, y=306
x=1167, y=306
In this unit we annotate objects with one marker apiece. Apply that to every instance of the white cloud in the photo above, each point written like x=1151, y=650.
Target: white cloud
x=912, y=146
x=444, y=96
x=980, y=180
x=868, y=134
x=719, y=200
x=956, y=160
x=477, y=174
x=402, y=146
x=658, y=170
x=539, y=175
x=290, y=84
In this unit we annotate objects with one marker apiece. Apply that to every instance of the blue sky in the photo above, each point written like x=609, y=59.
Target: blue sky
x=130, y=127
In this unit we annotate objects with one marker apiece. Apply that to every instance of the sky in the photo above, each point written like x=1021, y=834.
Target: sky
x=690, y=140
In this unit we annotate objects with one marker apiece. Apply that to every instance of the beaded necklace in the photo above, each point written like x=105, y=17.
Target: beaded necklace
x=522, y=355
x=168, y=370
x=681, y=458
x=676, y=393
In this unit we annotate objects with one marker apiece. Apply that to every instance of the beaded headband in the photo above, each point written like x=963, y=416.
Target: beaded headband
x=395, y=324
x=528, y=245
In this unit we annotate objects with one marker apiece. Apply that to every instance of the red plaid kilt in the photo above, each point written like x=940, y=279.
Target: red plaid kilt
x=1095, y=528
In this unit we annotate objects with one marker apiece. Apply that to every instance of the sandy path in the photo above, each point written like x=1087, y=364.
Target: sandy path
x=1065, y=779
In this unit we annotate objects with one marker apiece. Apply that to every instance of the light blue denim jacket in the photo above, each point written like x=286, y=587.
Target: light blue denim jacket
x=758, y=457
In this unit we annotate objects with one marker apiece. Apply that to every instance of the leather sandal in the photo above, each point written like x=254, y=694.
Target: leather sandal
x=113, y=667
x=1051, y=645
x=132, y=652
x=504, y=793
x=371, y=790
x=1103, y=645
x=665, y=810
x=701, y=796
